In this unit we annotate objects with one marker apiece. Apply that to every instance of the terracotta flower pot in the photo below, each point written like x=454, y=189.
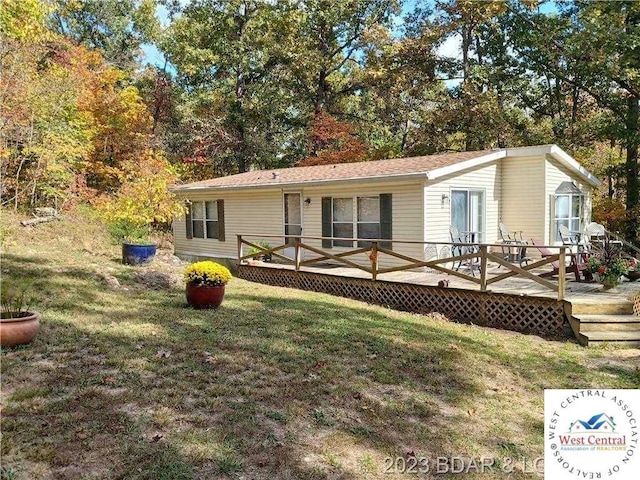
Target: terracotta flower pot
x=607, y=281
x=20, y=330
x=204, y=296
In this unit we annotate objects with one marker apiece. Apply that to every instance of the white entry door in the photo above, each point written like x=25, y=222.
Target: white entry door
x=292, y=219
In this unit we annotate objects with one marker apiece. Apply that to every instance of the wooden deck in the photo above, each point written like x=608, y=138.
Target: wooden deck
x=486, y=288
x=589, y=293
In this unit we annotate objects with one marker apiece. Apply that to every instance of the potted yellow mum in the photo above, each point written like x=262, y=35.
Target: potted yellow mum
x=205, y=284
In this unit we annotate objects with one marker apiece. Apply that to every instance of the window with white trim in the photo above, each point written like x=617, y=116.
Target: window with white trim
x=342, y=209
x=568, y=210
x=355, y=217
x=368, y=219
x=204, y=219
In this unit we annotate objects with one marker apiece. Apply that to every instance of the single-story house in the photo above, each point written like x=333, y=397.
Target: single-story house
x=531, y=189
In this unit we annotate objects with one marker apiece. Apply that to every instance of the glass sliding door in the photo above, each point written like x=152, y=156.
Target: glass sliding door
x=460, y=210
x=468, y=212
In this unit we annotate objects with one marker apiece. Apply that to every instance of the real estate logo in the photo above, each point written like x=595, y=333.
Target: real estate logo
x=591, y=434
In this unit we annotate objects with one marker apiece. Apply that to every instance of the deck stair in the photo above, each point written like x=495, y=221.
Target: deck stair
x=615, y=323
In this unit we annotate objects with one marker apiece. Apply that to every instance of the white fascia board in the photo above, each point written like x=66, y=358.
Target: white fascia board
x=560, y=155
x=458, y=167
x=569, y=162
x=311, y=183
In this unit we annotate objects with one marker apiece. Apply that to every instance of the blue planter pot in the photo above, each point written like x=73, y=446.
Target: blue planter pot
x=135, y=254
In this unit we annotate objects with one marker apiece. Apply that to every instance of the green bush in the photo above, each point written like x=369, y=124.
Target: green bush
x=126, y=231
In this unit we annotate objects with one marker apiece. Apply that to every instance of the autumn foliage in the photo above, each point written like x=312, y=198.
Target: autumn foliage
x=75, y=128
x=332, y=141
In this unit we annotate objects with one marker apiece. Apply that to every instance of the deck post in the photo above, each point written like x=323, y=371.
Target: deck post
x=562, y=273
x=297, y=252
x=483, y=268
x=239, y=249
x=373, y=256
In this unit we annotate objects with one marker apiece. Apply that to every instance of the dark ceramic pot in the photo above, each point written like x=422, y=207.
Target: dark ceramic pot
x=136, y=254
x=633, y=275
x=20, y=330
x=204, y=296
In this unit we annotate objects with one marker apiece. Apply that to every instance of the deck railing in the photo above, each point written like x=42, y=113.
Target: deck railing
x=474, y=256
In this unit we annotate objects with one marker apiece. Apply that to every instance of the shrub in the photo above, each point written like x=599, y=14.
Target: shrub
x=14, y=299
x=123, y=230
x=259, y=254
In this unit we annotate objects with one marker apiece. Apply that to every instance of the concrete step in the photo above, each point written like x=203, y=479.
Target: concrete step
x=626, y=339
x=595, y=323
x=620, y=307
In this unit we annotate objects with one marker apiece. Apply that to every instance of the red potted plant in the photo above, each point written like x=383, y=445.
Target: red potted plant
x=206, y=283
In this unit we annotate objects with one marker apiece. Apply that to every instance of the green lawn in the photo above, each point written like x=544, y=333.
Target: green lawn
x=124, y=381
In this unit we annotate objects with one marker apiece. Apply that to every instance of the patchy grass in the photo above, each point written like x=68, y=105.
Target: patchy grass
x=124, y=381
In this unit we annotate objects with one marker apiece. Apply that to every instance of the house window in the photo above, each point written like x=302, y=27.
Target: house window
x=357, y=217
x=343, y=221
x=567, y=212
x=468, y=212
x=205, y=221
x=368, y=219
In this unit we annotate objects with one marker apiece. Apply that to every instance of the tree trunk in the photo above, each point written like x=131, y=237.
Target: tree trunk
x=466, y=87
x=321, y=92
x=631, y=166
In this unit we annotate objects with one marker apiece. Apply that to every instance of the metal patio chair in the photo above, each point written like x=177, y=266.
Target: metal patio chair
x=515, y=247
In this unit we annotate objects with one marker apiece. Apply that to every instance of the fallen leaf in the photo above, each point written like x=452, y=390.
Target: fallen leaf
x=163, y=354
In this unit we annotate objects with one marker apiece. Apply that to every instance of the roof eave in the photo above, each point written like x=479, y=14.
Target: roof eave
x=568, y=161
x=458, y=167
x=560, y=155
x=309, y=183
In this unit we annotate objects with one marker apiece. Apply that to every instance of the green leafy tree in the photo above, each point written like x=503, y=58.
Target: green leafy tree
x=117, y=28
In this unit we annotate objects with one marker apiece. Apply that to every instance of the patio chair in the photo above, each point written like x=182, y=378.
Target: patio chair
x=445, y=252
x=509, y=237
x=594, y=235
x=575, y=266
x=568, y=237
x=514, y=249
x=430, y=253
x=456, y=250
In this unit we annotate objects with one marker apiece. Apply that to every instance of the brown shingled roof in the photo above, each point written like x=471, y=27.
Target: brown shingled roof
x=341, y=171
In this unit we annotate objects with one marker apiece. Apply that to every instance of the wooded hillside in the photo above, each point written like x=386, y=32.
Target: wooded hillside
x=257, y=84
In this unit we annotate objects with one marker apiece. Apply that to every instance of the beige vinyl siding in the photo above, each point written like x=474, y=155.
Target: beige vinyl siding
x=524, y=197
x=438, y=213
x=261, y=212
x=555, y=175
x=406, y=215
x=258, y=211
